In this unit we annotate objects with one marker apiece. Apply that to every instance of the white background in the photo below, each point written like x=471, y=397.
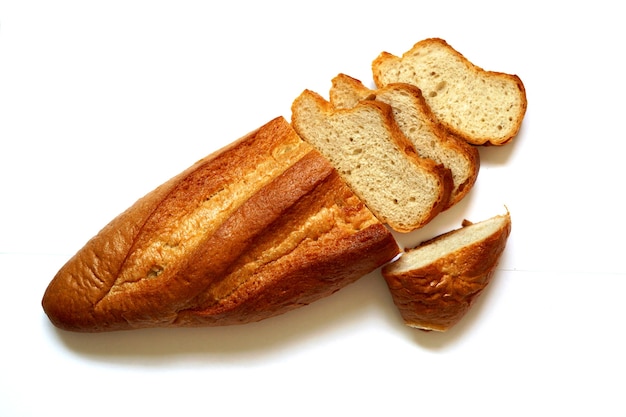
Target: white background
x=100, y=102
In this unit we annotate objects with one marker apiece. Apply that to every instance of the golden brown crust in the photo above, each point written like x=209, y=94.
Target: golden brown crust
x=264, y=213
x=279, y=287
x=438, y=295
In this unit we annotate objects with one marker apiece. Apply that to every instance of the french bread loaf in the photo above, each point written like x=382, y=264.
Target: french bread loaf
x=435, y=284
x=273, y=222
x=482, y=107
x=375, y=159
x=416, y=121
x=258, y=228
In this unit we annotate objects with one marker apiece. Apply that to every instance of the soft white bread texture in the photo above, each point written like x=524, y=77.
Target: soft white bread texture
x=482, y=107
x=375, y=159
x=415, y=119
x=435, y=284
x=261, y=227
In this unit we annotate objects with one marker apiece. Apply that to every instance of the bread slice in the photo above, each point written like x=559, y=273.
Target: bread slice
x=435, y=284
x=375, y=159
x=258, y=228
x=419, y=125
x=482, y=107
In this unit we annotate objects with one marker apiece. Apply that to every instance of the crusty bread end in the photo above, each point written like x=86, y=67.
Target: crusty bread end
x=435, y=284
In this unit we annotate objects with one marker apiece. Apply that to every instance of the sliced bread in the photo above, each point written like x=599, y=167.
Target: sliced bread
x=435, y=284
x=482, y=107
x=375, y=159
x=419, y=125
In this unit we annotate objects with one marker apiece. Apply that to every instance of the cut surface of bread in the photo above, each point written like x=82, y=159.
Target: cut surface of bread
x=375, y=159
x=482, y=107
x=435, y=284
x=419, y=125
x=258, y=228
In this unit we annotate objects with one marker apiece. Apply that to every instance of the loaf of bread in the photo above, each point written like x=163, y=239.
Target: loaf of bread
x=263, y=226
x=291, y=213
x=482, y=107
x=435, y=284
x=375, y=159
x=415, y=119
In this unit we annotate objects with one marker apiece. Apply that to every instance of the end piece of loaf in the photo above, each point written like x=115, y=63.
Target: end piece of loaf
x=435, y=284
x=482, y=107
x=375, y=159
x=419, y=125
x=263, y=226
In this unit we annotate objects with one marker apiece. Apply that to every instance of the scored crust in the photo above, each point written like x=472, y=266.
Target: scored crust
x=260, y=227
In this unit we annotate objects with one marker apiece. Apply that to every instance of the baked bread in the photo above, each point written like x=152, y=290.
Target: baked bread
x=263, y=226
x=435, y=284
x=419, y=125
x=375, y=159
x=482, y=107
